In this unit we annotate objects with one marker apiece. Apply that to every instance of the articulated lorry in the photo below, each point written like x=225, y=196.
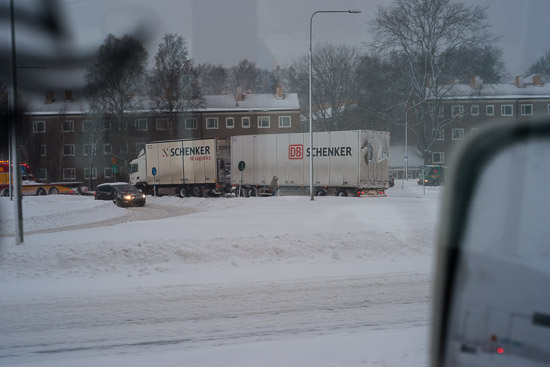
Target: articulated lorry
x=345, y=163
x=183, y=167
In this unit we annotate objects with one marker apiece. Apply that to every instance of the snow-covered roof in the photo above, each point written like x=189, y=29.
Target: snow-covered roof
x=214, y=103
x=397, y=157
x=499, y=91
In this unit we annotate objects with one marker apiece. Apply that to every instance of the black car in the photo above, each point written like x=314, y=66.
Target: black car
x=121, y=193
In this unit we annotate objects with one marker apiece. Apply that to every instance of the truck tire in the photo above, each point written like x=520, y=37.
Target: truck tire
x=40, y=192
x=197, y=191
x=342, y=193
x=53, y=191
x=182, y=192
x=321, y=192
x=252, y=192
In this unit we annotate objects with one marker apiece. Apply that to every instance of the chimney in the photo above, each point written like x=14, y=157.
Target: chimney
x=68, y=95
x=49, y=96
x=239, y=96
x=537, y=80
x=520, y=82
x=279, y=94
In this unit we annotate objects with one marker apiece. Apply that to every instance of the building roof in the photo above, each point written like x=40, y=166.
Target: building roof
x=527, y=90
x=397, y=157
x=214, y=103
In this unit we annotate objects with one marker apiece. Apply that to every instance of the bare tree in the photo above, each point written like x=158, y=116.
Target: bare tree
x=173, y=84
x=212, y=78
x=334, y=86
x=115, y=81
x=427, y=33
x=243, y=75
x=541, y=66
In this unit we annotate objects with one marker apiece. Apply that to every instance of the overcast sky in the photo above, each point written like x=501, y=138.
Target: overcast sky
x=277, y=31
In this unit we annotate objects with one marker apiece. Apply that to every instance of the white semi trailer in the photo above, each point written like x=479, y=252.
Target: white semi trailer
x=183, y=167
x=344, y=163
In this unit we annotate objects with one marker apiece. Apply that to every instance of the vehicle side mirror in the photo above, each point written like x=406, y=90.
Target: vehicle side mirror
x=492, y=280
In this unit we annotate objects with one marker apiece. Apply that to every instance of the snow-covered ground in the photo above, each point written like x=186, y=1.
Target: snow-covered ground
x=278, y=281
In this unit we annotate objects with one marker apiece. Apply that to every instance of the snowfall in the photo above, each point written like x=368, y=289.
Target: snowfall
x=278, y=281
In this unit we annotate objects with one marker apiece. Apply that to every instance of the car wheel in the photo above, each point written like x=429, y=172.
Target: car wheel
x=118, y=202
x=40, y=192
x=53, y=191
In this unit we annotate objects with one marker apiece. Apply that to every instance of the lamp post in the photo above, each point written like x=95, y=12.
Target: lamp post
x=310, y=103
x=406, y=175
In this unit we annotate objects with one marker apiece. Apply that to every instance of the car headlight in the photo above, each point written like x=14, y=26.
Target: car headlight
x=127, y=197
x=143, y=196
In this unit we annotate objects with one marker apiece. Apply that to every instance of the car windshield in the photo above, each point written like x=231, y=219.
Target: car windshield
x=292, y=154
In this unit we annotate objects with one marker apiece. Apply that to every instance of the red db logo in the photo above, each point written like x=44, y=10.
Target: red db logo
x=296, y=151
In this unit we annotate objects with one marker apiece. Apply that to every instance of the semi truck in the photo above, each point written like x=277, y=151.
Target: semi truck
x=29, y=185
x=345, y=163
x=184, y=167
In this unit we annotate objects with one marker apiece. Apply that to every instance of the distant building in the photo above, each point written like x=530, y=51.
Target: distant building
x=62, y=142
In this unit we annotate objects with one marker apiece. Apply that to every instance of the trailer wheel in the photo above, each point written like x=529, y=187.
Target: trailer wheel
x=182, y=192
x=40, y=192
x=252, y=192
x=53, y=191
x=197, y=191
x=342, y=193
x=321, y=192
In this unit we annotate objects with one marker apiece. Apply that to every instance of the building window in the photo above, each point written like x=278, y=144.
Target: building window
x=141, y=125
x=87, y=125
x=284, y=121
x=107, y=148
x=68, y=126
x=457, y=111
x=39, y=127
x=440, y=111
x=229, y=122
x=474, y=110
x=211, y=122
x=490, y=110
x=39, y=150
x=123, y=125
x=245, y=121
x=457, y=134
x=124, y=148
x=440, y=134
x=106, y=125
x=190, y=123
x=474, y=130
x=506, y=110
x=438, y=157
x=89, y=149
x=527, y=110
x=263, y=122
x=87, y=173
x=69, y=174
x=68, y=149
x=140, y=147
x=42, y=174
x=107, y=172
x=162, y=124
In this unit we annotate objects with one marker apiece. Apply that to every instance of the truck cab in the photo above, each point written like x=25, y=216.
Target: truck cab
x=433, y=175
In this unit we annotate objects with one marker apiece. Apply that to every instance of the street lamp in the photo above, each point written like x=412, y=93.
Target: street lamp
x=310, y=107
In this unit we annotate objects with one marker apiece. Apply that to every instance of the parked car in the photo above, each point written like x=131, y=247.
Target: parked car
x=121, y=193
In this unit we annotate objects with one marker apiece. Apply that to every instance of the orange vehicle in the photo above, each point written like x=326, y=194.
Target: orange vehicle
x=29, y=186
